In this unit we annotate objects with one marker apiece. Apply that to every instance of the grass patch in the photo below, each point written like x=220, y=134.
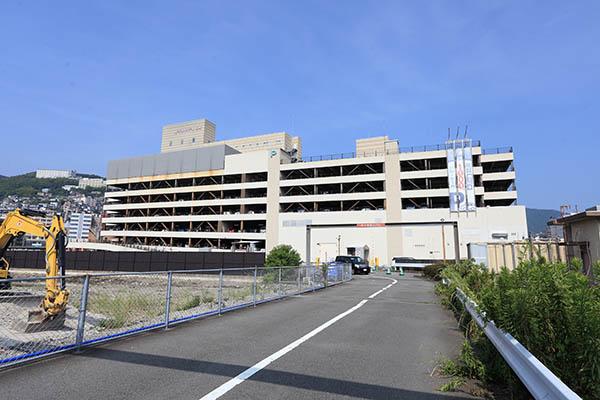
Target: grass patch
x=122, y=309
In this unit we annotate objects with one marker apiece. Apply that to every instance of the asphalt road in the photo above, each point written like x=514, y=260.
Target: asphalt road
x=383, y=350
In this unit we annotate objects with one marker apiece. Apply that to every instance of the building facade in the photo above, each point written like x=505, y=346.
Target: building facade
x=202, y=133
x=78, y=226
x=91, y=182
x=55, y=173
x=582, y=230
x=217, y=197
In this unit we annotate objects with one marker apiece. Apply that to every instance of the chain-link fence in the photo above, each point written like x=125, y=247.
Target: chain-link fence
x=106, y=306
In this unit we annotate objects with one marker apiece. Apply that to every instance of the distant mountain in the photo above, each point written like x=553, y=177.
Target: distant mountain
x=537, y=219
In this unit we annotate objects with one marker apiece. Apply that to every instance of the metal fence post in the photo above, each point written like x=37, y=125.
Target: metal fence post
x=168, y=306
x=312, y=277
x=220, y=290
x=299, y=278
x=279, y=283
x=254, y=295
x=82, y=312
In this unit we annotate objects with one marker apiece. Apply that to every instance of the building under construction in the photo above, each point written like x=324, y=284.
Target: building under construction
x=258, y=192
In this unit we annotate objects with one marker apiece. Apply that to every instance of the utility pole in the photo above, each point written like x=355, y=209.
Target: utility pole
x=443, y=240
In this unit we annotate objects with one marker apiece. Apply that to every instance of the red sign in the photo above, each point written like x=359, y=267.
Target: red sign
x=370, y=225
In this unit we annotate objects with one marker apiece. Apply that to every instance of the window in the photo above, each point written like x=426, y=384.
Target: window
x=181, y=141
x=171, y=143
x=193, y=140
x=266, y=143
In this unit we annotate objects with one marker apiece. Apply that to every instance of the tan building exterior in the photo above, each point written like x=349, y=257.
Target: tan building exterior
x=187, y=135
x=202, y=133
x=582, y=229
x=214, y=196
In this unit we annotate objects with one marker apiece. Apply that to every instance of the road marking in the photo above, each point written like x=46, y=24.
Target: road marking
x=385, y=288
x=227, y=386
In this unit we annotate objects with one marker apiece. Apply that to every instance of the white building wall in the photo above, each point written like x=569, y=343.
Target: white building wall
x=292, y=231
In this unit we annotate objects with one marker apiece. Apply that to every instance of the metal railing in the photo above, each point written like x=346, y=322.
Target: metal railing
x=539, y=380
x=497, y=150
x=102, y=307
x=408, y=149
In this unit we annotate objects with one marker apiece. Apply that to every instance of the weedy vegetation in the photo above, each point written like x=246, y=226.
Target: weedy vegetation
x=552, y=309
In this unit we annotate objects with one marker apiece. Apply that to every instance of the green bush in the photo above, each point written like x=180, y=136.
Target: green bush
x=551, y=309
x=433, y=271
x=282, y=255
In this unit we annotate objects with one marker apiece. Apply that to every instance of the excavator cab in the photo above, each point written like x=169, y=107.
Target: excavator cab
x=51, y=312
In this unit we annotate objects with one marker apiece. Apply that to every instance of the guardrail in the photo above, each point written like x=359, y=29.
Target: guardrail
x=106, y=306
x=539, y=380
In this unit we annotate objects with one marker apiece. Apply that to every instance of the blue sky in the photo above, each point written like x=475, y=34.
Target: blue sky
x=85, y=82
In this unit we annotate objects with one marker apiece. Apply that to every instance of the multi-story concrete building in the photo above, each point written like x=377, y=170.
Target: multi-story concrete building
x=55, y=173
x=217, y=197
x=78, y=226
x=91, y=182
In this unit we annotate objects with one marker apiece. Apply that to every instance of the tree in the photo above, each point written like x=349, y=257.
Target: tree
x=283, y=255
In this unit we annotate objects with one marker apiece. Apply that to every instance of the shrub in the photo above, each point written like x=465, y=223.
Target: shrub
x=283, y=255
x=552, y=310
x=433, y=271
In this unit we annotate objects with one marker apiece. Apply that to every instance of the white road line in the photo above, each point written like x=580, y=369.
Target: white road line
x=385, y=288
x=227, y=386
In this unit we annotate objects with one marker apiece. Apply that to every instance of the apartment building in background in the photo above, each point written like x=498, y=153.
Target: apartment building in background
x=78, y=226
x=55, y=173
x=219, y=197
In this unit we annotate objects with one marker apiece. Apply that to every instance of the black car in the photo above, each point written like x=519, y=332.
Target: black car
x=359, y=266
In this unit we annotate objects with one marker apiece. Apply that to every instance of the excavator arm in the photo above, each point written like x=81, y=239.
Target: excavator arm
x=19, y=223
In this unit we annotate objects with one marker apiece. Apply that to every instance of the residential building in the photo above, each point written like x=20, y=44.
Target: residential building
x=214, y=196
x=91, y=182
x=78, y=226
x=55, y=173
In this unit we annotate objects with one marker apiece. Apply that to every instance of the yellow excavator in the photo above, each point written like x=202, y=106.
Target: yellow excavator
x=51, y=314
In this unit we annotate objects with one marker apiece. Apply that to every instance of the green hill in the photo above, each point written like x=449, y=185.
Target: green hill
x=537, y=219
x=27, y=185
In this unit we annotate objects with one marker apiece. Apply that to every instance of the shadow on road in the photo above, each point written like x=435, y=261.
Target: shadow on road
x=290, y=379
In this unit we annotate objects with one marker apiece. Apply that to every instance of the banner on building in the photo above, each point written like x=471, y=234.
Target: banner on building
x=451, y=175
x=461, y=189
x=461, y=184
x=470, y=184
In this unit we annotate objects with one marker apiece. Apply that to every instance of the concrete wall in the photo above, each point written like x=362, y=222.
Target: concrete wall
x=292, y=231
x=426, y=241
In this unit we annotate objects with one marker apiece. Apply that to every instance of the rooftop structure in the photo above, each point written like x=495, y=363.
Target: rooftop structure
x=201, y=133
